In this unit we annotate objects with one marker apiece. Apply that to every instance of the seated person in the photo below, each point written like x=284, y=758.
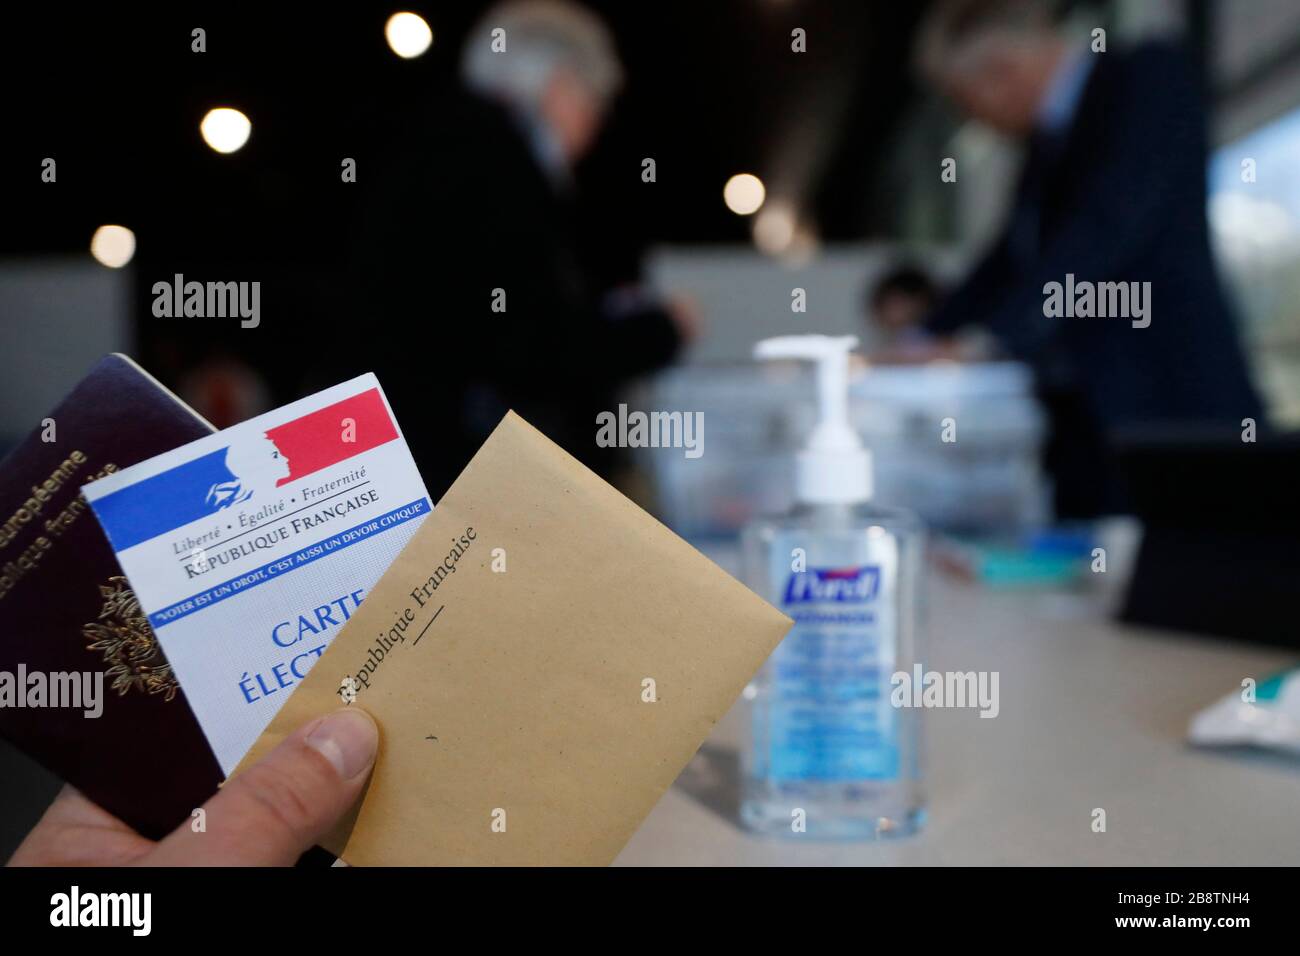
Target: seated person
x=896, y=306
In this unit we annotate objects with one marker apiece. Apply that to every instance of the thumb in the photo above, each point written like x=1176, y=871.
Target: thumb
x=278, y=808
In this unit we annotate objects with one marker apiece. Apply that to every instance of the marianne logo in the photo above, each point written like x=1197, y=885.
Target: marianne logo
x=254, y=464
x=249, y=469
x=839, y=585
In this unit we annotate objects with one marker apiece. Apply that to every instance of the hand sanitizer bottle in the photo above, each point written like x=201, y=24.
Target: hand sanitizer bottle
x=829, y=755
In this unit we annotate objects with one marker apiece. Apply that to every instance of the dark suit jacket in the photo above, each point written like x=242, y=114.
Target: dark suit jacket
x=464, y=209
x=1121, y=197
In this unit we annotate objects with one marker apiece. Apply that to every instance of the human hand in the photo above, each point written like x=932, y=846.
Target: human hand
x=269, y=815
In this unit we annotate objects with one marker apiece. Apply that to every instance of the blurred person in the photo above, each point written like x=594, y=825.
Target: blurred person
x=470, y=260
x=1112, y=190
x=897, y=305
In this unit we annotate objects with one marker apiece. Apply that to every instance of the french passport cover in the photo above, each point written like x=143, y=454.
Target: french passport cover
x=65, y=606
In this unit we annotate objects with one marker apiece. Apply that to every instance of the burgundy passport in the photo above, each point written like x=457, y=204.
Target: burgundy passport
x=65, y=607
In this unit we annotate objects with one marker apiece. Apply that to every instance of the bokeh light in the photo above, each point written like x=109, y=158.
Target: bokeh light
x=408, y=34
x=225, y=129
x=744, y=194
x=113, y=245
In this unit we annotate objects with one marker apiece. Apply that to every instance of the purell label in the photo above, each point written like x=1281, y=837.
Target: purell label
x=828, y=716
x=839, y=585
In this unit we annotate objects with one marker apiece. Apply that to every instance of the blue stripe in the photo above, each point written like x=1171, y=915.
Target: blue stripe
x=303, y=556
x=163, y=503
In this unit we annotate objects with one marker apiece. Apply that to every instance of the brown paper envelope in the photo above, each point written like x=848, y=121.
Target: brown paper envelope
x=514, y=727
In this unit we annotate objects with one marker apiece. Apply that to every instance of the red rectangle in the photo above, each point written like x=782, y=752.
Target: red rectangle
x=333, y=434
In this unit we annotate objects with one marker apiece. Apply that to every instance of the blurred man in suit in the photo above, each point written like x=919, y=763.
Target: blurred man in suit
x=470, y=262
x=1112, y=191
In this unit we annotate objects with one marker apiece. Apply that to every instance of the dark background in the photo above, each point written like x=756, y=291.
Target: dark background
x=712, y=89
x=116, y=98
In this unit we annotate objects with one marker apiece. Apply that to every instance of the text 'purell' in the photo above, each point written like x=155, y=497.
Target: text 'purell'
x=844, y=585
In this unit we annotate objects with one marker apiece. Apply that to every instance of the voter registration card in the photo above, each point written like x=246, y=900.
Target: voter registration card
x=250, y=548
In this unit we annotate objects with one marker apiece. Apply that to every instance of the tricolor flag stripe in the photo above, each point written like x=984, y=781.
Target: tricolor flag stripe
x=333, y=434
x=247, y=471
x=156, y=505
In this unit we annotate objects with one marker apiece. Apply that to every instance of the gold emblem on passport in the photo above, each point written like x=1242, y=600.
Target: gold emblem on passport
x=128, y=643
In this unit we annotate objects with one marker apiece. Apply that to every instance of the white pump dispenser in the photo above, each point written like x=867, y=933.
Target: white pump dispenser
x=834, y=468
x=824, y=733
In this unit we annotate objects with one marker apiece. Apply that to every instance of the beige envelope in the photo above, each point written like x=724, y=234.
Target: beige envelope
x=547, y=691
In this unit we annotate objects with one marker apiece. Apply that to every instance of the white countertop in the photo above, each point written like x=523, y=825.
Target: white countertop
x=1093, y=714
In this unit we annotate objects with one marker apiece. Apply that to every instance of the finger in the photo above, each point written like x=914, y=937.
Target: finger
x=76, y=832
x=71, y=805
x=279, y=807
x=72, y=808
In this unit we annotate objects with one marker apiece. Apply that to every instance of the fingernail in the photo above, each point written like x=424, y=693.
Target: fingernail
x=348, y=739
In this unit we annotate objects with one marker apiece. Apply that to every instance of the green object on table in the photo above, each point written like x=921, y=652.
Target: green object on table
x=1016, y=567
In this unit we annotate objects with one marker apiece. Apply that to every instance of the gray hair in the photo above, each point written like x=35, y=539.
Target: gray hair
x=540, y=36
x=956, y=32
